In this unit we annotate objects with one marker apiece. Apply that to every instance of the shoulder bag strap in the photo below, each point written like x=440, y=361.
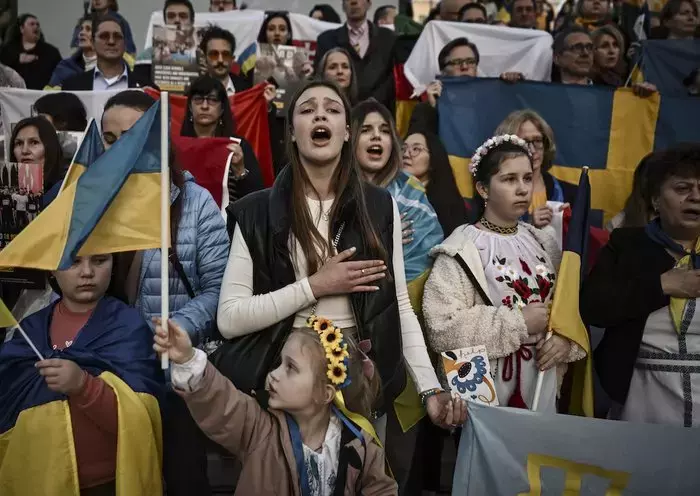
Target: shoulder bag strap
x=474, y=281
x=172, y=256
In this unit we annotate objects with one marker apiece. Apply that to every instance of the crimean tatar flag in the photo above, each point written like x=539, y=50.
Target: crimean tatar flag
x=565, y=318
x=113, y=206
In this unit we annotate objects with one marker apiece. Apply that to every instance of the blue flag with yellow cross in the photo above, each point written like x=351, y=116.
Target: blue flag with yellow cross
x=609, y=130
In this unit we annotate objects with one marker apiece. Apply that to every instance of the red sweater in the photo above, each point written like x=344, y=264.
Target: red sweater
x=93, y=409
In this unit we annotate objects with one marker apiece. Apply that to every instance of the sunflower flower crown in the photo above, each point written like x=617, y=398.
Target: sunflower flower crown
x=336, y=349
x=492, y=143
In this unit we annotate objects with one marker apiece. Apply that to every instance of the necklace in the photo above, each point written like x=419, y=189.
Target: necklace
x=498, y=229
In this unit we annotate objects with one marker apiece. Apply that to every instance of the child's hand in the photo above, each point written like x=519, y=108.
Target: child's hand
x=176, y=342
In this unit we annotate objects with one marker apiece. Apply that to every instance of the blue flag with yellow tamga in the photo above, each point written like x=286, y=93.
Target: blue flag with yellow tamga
x=606, y=129
x=564, y=318
x=37, y=451
x=111, y=206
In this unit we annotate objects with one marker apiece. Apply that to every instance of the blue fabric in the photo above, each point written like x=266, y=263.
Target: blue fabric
x=298, y=449
x=666, y=63
x=557, y=192
x=411, y=199
x=115, y=339
x=126, y=29
x=659, y=236
x=67, y=68
x=202, y=248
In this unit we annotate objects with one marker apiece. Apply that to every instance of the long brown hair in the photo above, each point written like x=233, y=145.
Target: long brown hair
x=388, y=173
x=346, y=183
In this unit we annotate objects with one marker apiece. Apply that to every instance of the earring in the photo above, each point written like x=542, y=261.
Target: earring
x=486, y=200
x=190, y=117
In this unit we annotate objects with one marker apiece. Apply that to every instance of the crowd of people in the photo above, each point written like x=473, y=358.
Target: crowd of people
x=300, y=319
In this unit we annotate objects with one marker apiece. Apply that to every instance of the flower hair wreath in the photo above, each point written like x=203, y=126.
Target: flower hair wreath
x=335, y=348
x=492, y=143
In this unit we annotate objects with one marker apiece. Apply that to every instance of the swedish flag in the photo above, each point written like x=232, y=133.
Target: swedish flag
x=608, y=130
x=565, y=318
x=111, y=206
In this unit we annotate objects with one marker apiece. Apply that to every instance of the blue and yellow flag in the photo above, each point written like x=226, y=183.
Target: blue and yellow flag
x=90, y=149
x=608, y=130
x=565, y=318
x=111, y=206
x=37, y=450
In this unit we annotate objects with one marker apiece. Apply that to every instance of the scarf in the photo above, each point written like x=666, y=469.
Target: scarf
x=687, y=259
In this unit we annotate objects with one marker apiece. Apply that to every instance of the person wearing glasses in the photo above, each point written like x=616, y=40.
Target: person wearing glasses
x=460, y=57
x=110, y=72
x=534, y=130
x=219, y=47
x=222, y=5
x=209, y=115
x=473, y=13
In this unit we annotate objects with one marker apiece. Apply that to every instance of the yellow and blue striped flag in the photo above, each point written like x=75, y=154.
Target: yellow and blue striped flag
x=565, y=318
x=606, y=129
x=113, y=206
x=6, y=317
x=91, y=147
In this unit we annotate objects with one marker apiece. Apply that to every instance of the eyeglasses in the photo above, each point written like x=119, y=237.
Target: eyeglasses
x=470, y=62
x=413, y=150
x=106, y=36
x=214, y=55
x=580, y=48
x=535, y=144
x=210, y=99
x=221, y=3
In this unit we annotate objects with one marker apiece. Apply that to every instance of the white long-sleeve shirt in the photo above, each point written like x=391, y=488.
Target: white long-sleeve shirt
x=240, y=312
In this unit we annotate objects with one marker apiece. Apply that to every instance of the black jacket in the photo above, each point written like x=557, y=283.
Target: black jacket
x=621, y=291
x=264, y=219
x=375, y=72
x=85, y=80
x=36, y=74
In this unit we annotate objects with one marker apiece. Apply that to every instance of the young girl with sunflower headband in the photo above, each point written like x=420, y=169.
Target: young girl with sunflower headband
x=305, y=442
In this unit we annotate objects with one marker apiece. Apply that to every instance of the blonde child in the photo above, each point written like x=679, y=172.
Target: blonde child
x=302, y=444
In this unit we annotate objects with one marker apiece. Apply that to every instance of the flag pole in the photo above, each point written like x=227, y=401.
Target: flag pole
x=29, y=342
x=540, y=379
x=164, y=217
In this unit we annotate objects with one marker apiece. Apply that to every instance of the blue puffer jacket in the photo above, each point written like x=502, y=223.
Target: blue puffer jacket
x=202, y=248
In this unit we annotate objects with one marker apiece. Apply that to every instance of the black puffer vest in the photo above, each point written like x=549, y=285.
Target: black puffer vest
x=264, y=219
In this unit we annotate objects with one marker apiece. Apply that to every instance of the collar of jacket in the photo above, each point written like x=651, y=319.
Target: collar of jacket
x=281, y=201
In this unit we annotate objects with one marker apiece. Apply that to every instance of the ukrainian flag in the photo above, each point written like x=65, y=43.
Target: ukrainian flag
x=37, y=450
x=111, y=206
x=246, y=60
x=605, y=129
x=565, y=318
x=91, y=147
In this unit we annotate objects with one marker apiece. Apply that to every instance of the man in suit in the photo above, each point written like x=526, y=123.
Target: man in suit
x=110, y=72
x=219, y=46
x=371, y=47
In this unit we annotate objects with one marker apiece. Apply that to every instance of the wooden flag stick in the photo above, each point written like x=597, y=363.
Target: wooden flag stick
x=29, y=342
x=540, y=379
x=164, y=218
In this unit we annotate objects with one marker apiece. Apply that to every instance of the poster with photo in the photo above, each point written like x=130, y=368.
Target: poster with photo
x=69, y=141
x=284, y=66
x=174, y=64
x=21, y=192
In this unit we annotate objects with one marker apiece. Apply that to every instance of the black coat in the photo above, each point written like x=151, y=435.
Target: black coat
x=36, y=74
x=375, y=72
x=620, y=293
x=264, y=219
x=85, y=80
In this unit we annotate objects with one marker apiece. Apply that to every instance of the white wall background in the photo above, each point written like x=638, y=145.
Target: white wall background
x=58, y=17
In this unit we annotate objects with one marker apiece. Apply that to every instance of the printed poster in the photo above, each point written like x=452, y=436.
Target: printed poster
x=284, y=66
x=174, y=64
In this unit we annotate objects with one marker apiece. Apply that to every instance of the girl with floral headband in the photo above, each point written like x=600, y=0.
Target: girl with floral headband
x=313, y=438
x=492, y=282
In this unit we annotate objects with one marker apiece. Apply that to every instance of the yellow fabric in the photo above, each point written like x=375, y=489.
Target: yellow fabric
x=503, y=15
x=539, y=199
x=356, y=418
x=37, y=456
x=124, y=226
x=42, y=430
x=6, y=317
x=677, y=305
x=73, y=174
x=404, y=111
x=140, y=442
x=628, y=144
x=40, y=244
x=565, y=320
